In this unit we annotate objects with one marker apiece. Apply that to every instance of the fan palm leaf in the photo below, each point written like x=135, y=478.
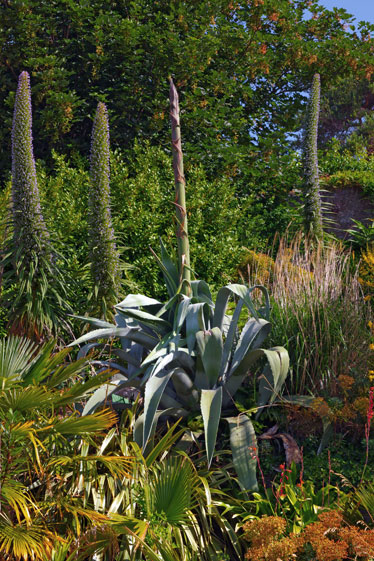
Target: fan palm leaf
x=16, y=353
x=172, y=490
x=23, y=541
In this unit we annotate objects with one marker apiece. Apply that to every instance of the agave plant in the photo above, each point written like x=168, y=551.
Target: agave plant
x=187, y=355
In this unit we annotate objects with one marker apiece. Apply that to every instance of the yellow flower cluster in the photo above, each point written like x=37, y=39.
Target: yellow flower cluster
x=345, y=382
x=262, y=268
x=366, y=271
x=267, y=540
x=259, y=266
x=320, y=407
x=330, y=538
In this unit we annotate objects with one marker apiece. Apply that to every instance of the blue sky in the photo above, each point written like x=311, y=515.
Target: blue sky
x=363, y=10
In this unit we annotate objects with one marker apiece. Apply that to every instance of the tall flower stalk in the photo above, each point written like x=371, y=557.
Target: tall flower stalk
x=29, y=230
x=312, y=206
x=180, y=188
x=34, y=290
x=104, y=255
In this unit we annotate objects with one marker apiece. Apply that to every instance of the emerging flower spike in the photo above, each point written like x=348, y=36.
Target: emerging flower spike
x=104, y=255
x=30, y=232
x=312, y=208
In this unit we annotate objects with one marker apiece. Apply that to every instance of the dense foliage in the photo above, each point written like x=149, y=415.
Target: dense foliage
x=241, y=69
x=183, y=432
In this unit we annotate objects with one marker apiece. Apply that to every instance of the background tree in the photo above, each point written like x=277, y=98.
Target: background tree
x=241, y=69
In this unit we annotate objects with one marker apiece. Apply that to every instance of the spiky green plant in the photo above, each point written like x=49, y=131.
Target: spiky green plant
x=33, y=286
x=312, y=205
x=104, y=255
x=180, y=188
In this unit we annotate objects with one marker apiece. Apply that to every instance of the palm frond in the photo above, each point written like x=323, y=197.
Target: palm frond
x=97, y=422
x=22, y=541
x=26, y=399
x=172, y=489
x=115, y=465
x=14, y=495
x=16, y=353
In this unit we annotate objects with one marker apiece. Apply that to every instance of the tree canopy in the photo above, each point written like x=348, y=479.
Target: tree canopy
x=241, y=68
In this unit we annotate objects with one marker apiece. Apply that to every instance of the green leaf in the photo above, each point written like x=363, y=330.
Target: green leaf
x=101, y=395
x=133, y=334
x=137, y=301
x=181, y=314
x=194, y=323
x=242, y=442
x=150, y=320
x=185, y=389
x=242, y=292
x=153, y=391
x=99, y=323
x=210, y=346
x=16, y=356
x=164, y=444
x=211, y=404
x=273, y=376
x=200, y=290
x=172, y=489
x=253, y=334
x=169, y=270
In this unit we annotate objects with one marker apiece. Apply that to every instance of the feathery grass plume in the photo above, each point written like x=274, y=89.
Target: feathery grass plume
x=105, y=266
x=318, y=312
x=312, y=206
x=34, y=289
x=180, y=187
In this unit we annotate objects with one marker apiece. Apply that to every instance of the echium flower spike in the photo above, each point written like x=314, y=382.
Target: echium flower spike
x=30, y=232
x=104, y=255
x=312, y=208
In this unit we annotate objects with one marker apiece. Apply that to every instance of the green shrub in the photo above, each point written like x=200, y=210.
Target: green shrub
x=347, y=165
x=142, y=197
